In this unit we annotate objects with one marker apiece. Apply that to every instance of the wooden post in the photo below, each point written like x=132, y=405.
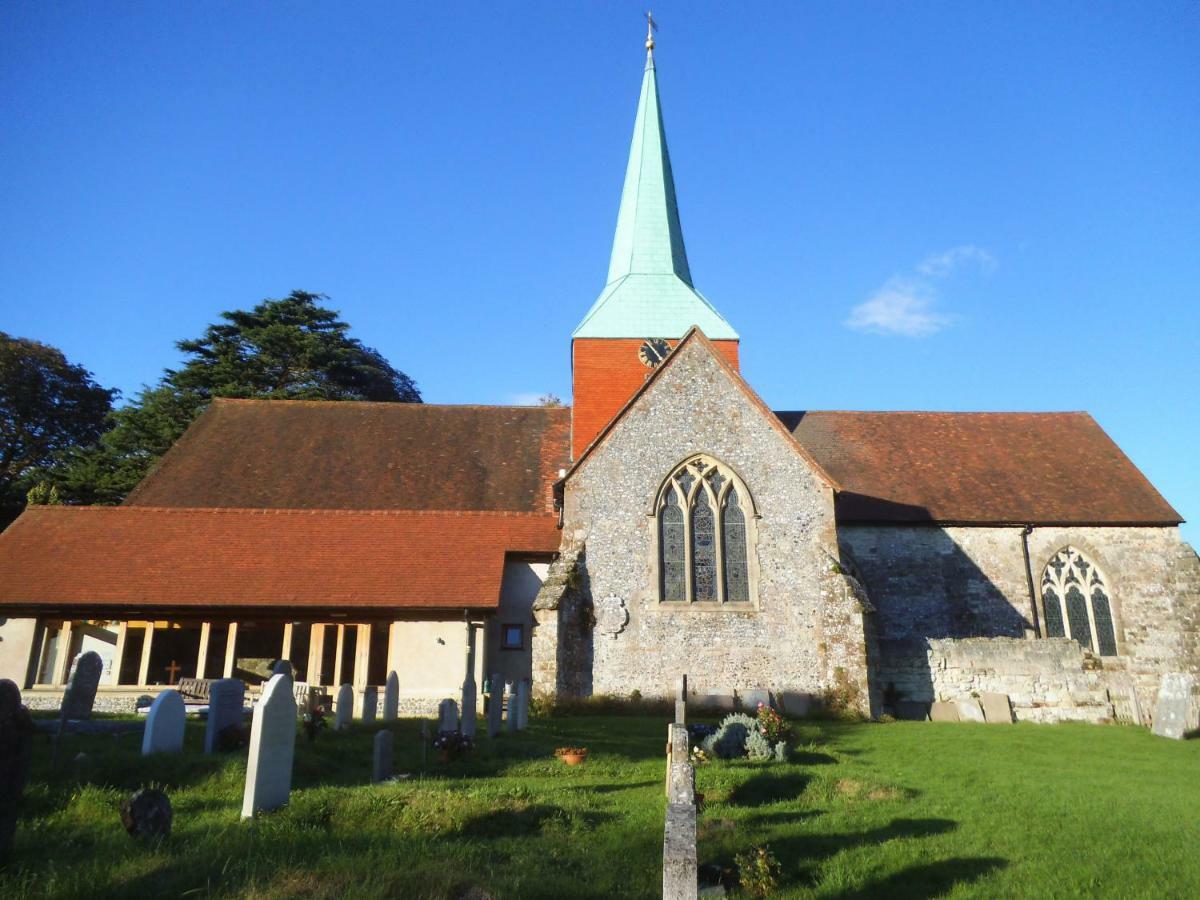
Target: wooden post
x=230, y=650
x=316, y=654
x=202, y=653
x=62, y=662
x=362, y=656
x=119, y=652
x=285, y=651
x=337, y=655
x=147, y=644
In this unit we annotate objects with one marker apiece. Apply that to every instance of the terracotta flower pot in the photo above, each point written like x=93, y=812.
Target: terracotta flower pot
x=573, y=759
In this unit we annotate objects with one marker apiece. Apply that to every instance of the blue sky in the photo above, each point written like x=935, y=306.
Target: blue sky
x=977, y=206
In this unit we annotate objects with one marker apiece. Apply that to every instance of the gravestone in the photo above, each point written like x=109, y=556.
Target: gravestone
x=343, y=707
x=469, y=704
x=681, y=700
x=16, y=755
x=996, y=708
x=80, y=695
x=510, y=716
x=447, y=715
x=164, y=724
x=147, y=814
x=943, y=711
x=283, y=667
x=381, y=769
x=495, y=708
x=969, y=710
x=391, y=697
x=225, y=699
x=523, y=703
x=1174, y=710
x=751, y=699
x=272, y=748
x=370, y=704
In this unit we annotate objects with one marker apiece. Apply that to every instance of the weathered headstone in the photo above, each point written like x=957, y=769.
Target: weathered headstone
x=996, y=708
x=496, y=707
x=751, y=699
x=343, y=707
x=272, y=748
x=16, y=755
x=226, y=697
x=1174, y=710
x=80, y=695
x=677, y=749
x=969, y=710
x=391, y=697
x=943, y=711
x=370, y=704
x=679, y=831
x=523, y=703
x=381, y=769
x=147, y=814
x=469, y=704
x=447, y=715
x=165, y=724
x=511, y=718
x=681, y=700
x=283, y=667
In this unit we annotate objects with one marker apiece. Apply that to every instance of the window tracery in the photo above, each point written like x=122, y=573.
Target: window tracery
x=1076, y=603
x=704, y=535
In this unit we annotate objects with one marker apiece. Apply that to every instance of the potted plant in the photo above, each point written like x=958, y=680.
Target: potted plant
x=572, y=756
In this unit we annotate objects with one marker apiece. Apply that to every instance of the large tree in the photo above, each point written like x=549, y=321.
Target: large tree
x=47, y=407
x=287, y=349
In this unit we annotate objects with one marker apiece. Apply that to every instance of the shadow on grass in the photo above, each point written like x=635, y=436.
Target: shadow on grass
x=769, y=788
x=508, y=823
x=931, y=880
x=801, y=852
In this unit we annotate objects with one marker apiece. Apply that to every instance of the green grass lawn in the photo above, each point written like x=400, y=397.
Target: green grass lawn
x=902, y=810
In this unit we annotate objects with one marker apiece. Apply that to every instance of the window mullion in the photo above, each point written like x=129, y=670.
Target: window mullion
x=719, y=548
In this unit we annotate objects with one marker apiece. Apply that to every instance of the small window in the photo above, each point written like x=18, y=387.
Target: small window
x=512, y=637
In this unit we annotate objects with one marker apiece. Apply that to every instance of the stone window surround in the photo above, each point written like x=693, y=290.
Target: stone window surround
x=1090, y=553
x=749, y=511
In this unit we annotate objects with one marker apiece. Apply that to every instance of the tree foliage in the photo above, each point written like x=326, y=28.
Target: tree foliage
x=47, y=407
x=286, y=349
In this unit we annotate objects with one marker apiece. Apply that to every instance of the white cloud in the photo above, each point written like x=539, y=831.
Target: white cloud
x=902, y=306
x=906, y=304
x=939, y=265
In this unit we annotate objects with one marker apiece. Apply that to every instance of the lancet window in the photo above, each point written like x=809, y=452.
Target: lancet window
x=704, y=515
x=1076, y=602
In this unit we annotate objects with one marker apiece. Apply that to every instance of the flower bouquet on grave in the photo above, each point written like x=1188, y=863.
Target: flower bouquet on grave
x=572, y=756
x=451, y=745
x=314, y=721
x=771, y=725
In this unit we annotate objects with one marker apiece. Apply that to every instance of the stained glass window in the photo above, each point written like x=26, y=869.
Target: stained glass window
x=1073, y=578
x=673, y=563
x=704, y=550
x=733, y=548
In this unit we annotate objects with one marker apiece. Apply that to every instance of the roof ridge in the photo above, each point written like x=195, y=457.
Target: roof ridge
x=299, y=511
x=391, y=404
x=941, y=412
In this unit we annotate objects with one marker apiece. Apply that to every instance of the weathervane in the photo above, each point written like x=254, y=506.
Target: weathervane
x=651, y=27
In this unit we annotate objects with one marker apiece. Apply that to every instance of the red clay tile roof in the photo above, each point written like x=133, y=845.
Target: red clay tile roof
x=1018, y=468
x=138, y=556
x=295, y=454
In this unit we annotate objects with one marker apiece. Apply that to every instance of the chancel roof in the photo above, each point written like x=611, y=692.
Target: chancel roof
x=287, y=454
x=978, y=468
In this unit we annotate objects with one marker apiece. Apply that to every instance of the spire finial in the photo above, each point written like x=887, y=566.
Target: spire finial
x=651, y=27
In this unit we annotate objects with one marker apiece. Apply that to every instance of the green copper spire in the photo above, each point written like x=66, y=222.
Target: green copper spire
x=649, y=291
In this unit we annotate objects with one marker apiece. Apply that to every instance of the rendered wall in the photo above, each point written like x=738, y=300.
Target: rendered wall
x=16, y=646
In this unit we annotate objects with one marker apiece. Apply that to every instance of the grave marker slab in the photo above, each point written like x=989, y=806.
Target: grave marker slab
x=80, y=695
x=996, y=708
x=381, y=769
x=496, y=707
x=343, y=707
x=447, y=715
x=969, y=710
x=370, y=704
x=1173, y=713
x=226, y=697
x=283, y=667
x=510, y=716
x=943, y=711
x=164, y=724
x=391, y=697
x=272, y=748
x=681, y=700
x=522, y=704
x=469, y=704
x=16, y=756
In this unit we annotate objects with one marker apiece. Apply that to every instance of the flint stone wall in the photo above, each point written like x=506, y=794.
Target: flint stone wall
x=931, y=586
x=805, y=631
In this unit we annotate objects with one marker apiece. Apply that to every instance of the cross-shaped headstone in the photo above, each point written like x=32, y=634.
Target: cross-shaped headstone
x=173, y=671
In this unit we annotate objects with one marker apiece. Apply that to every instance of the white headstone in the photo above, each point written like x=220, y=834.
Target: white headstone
x=226, y=697
x=381, y=769
x=1174, y=711
x=969, y=710
x=496, y=707
x=343, y=707
x=468, y=708
x=164, y=724
x=272, y=748
x=283, y=667
x=370, y=703
x=447, y=716
x=511, y=718
x=391, y=697
x=523, y=703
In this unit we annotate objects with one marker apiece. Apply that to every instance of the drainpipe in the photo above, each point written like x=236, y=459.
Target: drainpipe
x=1033, y=610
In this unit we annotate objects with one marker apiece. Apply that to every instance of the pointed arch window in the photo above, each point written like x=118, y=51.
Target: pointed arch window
x=1076, y=602
x=704, y=525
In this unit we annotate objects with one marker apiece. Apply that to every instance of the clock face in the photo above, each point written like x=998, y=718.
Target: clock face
x=653, y=351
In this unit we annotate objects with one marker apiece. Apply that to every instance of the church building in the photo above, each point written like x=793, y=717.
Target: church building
x=667, y=522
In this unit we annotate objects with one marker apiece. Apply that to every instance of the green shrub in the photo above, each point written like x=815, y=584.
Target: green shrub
x=758, y=872
x=729, y=740
x=758, y=747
